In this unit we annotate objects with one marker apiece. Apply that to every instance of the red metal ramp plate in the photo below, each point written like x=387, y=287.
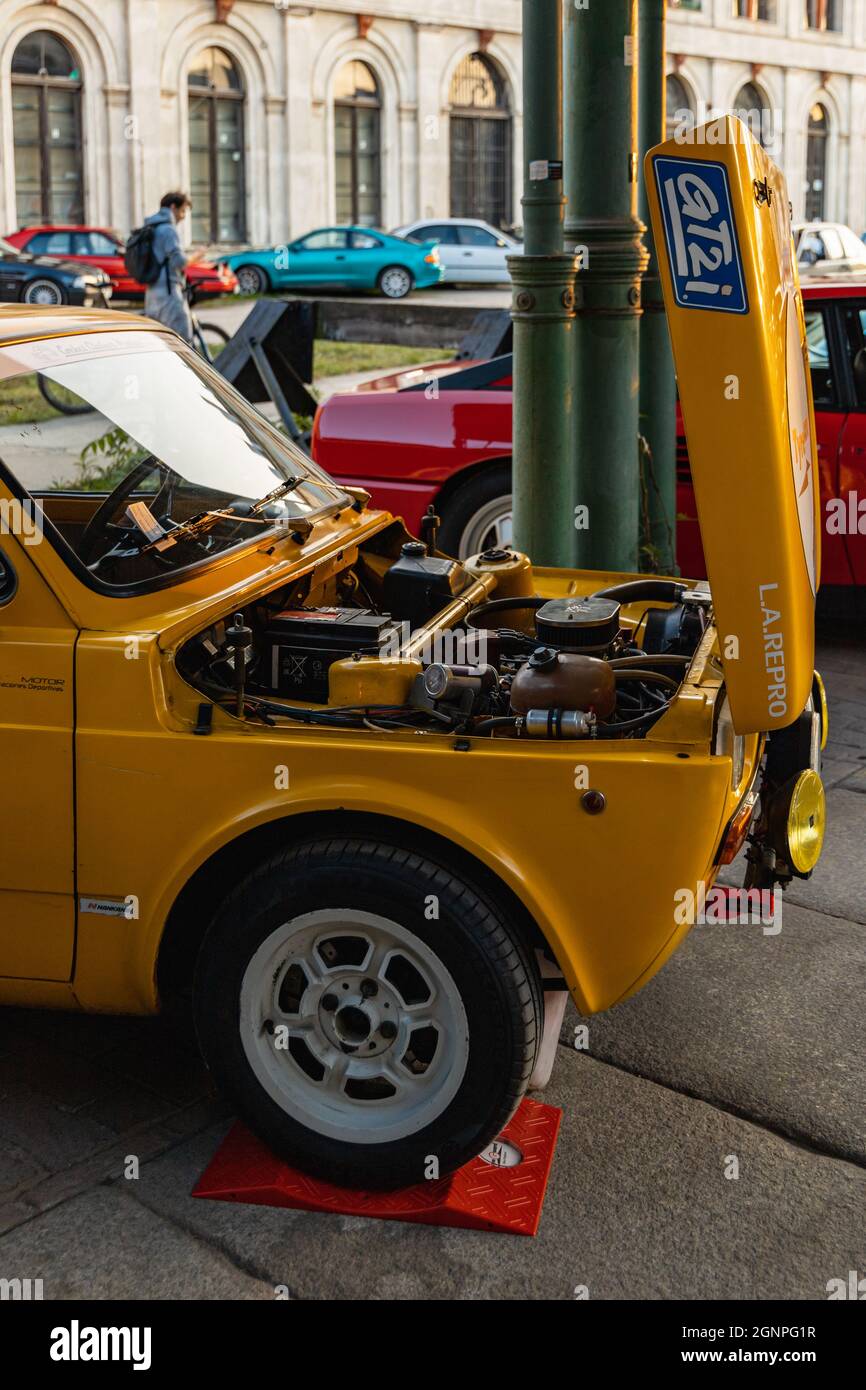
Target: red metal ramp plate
x=501, y=1190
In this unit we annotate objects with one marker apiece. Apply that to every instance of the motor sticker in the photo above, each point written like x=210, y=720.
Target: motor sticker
x=701, y=236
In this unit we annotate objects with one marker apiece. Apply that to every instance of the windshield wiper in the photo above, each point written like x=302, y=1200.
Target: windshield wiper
x=203, y=522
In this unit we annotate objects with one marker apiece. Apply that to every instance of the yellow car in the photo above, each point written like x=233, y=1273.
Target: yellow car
x=378, y=810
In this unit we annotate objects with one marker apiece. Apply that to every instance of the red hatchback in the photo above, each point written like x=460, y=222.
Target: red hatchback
x=442, y=435
x=100, y=246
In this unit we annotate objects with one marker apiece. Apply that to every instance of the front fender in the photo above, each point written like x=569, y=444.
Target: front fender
x=602, y=888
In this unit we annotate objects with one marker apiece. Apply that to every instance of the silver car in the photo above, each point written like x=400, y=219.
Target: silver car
x=471, y=251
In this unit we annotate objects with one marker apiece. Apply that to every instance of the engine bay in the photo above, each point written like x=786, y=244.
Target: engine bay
x=394, y=635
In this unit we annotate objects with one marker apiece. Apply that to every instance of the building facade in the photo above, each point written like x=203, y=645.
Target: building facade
x=797, y=69
x=280, y=117
x=277, y=116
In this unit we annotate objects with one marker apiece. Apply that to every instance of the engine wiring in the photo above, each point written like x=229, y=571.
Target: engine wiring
x=582, y=663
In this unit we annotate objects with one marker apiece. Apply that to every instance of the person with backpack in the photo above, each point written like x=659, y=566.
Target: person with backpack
x=155, y=257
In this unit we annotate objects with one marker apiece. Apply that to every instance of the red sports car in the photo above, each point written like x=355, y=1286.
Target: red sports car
x=100, y=246
x=442, y=434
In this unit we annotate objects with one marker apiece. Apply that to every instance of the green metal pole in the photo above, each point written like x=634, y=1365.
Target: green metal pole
x=602, y=226
x=658, y=390
x=543, y=308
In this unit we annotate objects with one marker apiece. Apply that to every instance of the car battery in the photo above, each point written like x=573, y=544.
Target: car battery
x=301, y=644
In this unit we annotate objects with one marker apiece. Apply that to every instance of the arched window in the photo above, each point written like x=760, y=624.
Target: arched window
x=752, y=109
x=216, y=148
x=679, y=112
x=480, y=139
x=816, y=163
x=357, y=145
x=46, y=130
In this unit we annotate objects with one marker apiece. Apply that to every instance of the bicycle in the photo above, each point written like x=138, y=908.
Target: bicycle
x=204, y=336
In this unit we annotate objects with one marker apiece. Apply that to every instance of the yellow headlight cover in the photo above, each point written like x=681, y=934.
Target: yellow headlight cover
x=807, y=818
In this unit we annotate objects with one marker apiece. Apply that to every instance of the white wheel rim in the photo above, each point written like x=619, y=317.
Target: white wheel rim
x=396, y=283
x=491, y=526
x=42, y=292
x=382, y=1063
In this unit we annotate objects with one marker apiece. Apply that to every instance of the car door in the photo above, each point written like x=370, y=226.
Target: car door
x=37, y=645
x=851, y=482
x=830, y=398
x=483, y=254
x=450, y=250
x=368, y=257
x=50, y=244
x=14, y=270
x=322, y=258
x=99, y=251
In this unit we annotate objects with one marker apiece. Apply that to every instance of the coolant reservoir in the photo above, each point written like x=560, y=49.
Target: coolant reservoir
x=564, y=680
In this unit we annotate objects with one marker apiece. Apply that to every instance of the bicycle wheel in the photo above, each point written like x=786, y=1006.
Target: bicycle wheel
x=211, y=339
x=61, y=398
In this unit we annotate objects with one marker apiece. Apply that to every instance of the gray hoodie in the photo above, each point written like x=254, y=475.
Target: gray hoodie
x=165, y=301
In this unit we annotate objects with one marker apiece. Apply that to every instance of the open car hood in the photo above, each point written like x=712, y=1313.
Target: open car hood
x=721, y=220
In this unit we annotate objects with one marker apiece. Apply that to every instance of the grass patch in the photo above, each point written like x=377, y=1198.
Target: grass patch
x=21, y=402
x=338, y=359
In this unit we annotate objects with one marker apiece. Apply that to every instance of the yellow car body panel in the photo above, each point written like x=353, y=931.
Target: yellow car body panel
x=486, y=800
x=153, y=803
x=721, y=221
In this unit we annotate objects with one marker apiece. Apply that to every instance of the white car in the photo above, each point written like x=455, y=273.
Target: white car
x=470, y=251
x=827, y=248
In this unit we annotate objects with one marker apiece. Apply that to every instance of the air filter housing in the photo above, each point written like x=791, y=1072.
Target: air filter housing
x=578, y=624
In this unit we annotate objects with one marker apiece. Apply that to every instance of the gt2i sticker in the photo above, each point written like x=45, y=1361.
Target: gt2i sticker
x=703, y=251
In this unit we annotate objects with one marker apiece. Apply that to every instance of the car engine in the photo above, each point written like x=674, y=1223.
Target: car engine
x=415, y=640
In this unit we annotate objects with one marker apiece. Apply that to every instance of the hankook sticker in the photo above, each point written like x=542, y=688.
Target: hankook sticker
x=103, y=907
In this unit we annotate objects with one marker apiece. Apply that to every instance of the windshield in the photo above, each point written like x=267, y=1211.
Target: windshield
x=183, y=464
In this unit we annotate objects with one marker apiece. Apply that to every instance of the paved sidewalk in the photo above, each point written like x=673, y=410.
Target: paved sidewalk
x=746, y=1047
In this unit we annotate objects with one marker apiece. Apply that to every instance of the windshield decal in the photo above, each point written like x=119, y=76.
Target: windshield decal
x=42, y=354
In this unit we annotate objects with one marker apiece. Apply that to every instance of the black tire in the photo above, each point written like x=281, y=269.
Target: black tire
x=44, y=291
x=475, y=949
x=60, y=399
x=395, y=281
x=463, y=511
x=253, y=279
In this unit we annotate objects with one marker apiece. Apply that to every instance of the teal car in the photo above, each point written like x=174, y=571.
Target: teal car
x=358, y=258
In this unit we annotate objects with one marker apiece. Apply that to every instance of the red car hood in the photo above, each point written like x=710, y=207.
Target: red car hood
x=411, y=376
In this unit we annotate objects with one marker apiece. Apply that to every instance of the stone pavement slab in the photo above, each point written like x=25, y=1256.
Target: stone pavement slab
x=106, y=1245
x=638, y=1207
x=766, y=1026
x=838, y=884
